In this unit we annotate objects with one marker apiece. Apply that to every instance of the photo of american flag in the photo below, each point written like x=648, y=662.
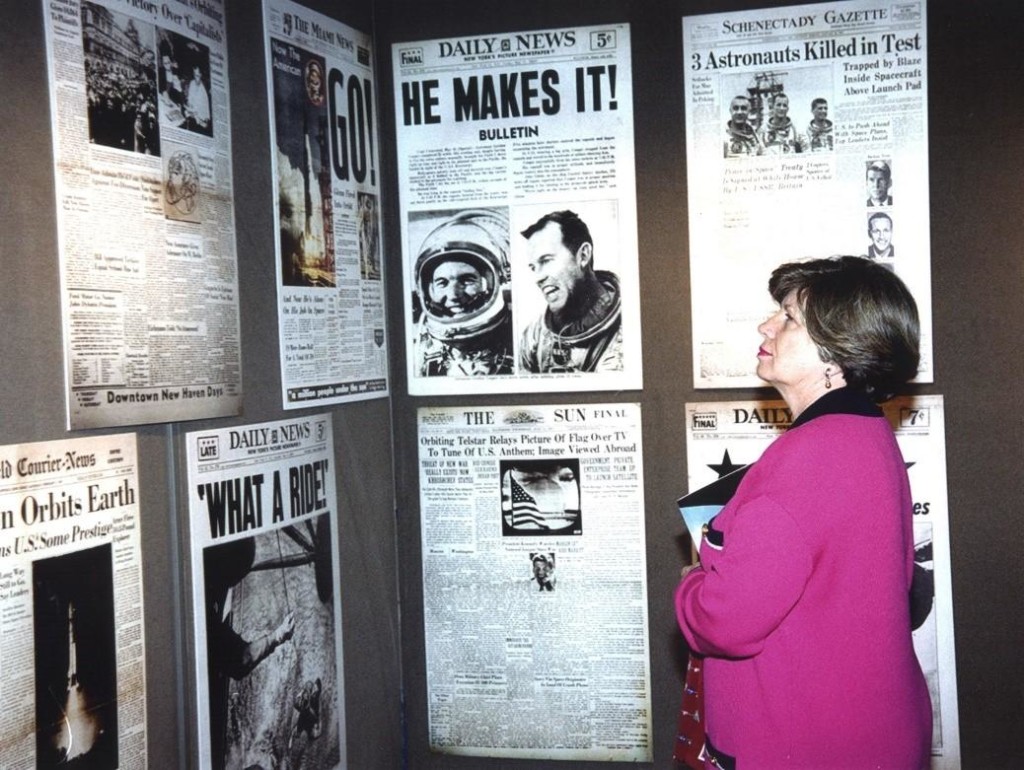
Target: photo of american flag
x=540, y=497
x=524, y=507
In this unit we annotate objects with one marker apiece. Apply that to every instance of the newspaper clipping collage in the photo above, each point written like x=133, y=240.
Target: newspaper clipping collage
x=806, y=132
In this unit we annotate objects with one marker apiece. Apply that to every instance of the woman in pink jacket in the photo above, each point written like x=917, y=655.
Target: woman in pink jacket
x=800, y=601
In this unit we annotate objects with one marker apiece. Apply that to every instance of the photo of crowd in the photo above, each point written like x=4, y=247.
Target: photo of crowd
x=120, y=81
x=139, y=77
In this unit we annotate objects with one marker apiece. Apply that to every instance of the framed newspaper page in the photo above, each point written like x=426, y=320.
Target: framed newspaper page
x=267, y=610
x=330, y=280
x=73, y=657
x=145, y=211
x=533, y=538
x=806, y=136
x=518, y=212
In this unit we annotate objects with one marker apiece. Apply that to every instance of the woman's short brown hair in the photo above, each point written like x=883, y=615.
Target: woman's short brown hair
x=861, y=316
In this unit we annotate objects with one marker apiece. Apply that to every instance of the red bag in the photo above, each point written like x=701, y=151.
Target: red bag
x=690, y=741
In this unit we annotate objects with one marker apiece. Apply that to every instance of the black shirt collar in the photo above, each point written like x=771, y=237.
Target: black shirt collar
x=840, y=401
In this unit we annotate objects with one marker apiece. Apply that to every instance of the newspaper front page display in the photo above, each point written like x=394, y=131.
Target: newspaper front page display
x=73, y=653
x=264, y=552
x=725, y=436
x=142, y=159
x=495, y=133
x=534, y=582
x=330, y=289
x=806, y=136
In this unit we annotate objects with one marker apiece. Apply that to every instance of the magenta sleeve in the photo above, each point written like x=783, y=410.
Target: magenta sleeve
x=748, y=586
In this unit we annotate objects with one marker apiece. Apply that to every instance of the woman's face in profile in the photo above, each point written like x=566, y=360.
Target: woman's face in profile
x=788, y=357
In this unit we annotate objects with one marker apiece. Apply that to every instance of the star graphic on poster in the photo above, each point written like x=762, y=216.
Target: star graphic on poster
x=725, y=467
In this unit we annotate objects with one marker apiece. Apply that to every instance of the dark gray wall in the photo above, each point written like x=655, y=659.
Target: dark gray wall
x=978, y=292
x=978, y=285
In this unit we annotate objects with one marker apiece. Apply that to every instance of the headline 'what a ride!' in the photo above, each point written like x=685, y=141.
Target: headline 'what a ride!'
x=238, y=504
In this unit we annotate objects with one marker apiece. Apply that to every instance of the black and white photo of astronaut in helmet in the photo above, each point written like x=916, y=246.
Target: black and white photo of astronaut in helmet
x=462, y=302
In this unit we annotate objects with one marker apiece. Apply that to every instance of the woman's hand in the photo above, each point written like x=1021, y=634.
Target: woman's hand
x=688, y=569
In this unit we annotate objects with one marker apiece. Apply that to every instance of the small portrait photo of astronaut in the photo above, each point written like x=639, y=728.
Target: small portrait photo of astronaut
x=314, y=76
x=819, y=131
x=741, y=137
x=461, y=301
x=573, y=322
x=540, y=497
x=779, y=134
x=878, y=178
x=543, y=566
x=880, y=233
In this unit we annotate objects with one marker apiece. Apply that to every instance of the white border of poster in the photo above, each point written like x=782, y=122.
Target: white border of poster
x=321, y=92
x=145, y=211
x=776, y=183
x=265, y=595
x=495, y=132
x=724, y=436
